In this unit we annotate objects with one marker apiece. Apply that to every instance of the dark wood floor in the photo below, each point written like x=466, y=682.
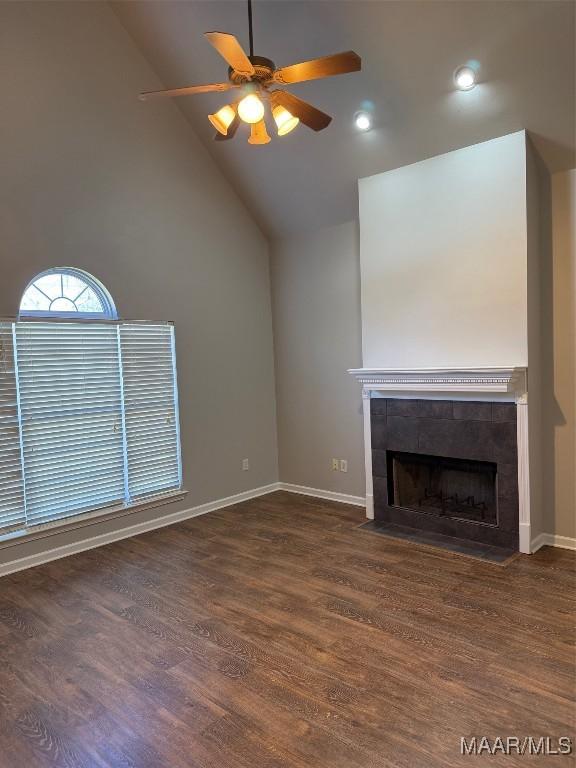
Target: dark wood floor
x=275, y=634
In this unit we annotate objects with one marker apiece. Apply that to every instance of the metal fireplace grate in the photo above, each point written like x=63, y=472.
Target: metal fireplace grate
x=438, y=485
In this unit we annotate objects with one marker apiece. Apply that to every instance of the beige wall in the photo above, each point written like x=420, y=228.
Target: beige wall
x=317, y=337
x=561, y=396
x=316, y=291
x=91, y=177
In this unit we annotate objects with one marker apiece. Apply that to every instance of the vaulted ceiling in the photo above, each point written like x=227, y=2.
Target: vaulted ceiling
x=409, y=51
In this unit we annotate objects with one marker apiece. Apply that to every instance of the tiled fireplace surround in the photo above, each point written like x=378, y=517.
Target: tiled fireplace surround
x=476, y=414
x=477, y=431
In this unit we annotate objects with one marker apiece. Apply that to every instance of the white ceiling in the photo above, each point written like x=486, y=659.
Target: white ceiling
x=409, y=51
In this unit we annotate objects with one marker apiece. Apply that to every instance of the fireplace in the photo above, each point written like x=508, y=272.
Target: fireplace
x=447, y=467
x=446, y=487
x=409, y=417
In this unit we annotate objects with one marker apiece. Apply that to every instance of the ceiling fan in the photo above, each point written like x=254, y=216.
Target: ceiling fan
x=255, y=77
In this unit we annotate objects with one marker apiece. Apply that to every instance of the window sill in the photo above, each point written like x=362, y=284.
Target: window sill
x=87, y=519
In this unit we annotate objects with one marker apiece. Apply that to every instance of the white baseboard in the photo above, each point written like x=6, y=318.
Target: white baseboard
x=55, y=553
x=344, y=498
x=538, y=542
x=126, y=532
x=551, y=540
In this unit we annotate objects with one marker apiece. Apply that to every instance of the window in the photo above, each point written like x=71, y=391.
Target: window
x=88, y=405
x=66, y=292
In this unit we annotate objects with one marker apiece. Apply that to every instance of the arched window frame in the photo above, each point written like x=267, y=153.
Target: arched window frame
x=106, y=301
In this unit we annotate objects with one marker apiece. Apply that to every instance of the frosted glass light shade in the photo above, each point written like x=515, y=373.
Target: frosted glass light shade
x=258, y=133
x=285, y=121
x=222, y=119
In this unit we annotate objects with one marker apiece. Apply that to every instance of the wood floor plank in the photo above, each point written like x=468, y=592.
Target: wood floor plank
x=278, y=634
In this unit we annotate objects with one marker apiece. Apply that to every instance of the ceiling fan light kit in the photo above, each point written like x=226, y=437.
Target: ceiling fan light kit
x=255, y=76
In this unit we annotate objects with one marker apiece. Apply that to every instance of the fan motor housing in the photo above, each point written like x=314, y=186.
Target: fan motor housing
x=264, y=71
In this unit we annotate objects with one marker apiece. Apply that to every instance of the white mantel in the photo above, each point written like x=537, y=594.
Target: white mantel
x=512, y=380
x=490, y=383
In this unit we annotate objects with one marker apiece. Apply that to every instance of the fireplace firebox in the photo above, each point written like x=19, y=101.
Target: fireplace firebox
x=443, y=486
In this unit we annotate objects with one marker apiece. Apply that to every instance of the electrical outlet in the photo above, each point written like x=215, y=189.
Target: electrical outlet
x=343, y=465
x=335, y=465
x=245, y=465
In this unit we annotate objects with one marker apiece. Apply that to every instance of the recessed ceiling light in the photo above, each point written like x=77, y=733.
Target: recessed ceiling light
x=362, y=121
x=465, y=78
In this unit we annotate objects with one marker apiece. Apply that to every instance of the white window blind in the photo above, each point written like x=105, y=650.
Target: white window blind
x=88, y=418
x=12, y=515
x=150, y=407
x=71, y=416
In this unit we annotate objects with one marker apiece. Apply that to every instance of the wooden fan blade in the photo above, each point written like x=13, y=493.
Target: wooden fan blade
x=307, y=114
x=232, y=128
x=188, y=90
x=338, y=64
x=230, y=49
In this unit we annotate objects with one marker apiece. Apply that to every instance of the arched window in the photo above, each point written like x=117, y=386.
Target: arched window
x=88, y=406
x=65, y=291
